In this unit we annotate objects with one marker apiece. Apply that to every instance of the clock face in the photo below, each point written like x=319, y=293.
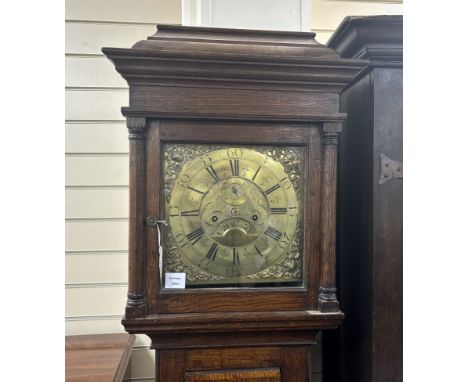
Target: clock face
x=233, y=214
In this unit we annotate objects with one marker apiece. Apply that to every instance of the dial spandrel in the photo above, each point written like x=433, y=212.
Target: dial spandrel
x=234, y=214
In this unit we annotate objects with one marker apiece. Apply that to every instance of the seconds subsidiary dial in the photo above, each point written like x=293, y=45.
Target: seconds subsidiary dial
x=233, y=212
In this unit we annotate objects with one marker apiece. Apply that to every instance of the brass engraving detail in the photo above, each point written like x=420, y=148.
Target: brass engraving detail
x=233, y=189
x=290, y=267
x=175, y=156
x=175, y=263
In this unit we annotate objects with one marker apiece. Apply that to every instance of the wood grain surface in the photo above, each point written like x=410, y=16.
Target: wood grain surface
x=257, y=375
x=98, y=357
x=370, y=259
x=242, y=364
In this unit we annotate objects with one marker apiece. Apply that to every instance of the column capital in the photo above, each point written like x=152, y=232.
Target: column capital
x=331, y=132
x=136, y=128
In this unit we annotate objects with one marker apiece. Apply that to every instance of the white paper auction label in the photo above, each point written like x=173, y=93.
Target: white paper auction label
x=175, y=280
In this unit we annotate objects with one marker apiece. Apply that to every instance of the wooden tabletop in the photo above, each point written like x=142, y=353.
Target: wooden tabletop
x=97, y=357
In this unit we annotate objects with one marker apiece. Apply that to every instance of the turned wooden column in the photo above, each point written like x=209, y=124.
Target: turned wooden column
x=136, y=296
x=327, y=292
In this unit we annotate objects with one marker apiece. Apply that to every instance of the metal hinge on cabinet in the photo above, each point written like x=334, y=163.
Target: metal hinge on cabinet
x=389, y=169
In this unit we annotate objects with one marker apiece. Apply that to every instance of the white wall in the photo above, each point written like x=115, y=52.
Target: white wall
x=97, y=164
x=97, y=153
x=320, y=16
x=327, y=14
x=291, y=15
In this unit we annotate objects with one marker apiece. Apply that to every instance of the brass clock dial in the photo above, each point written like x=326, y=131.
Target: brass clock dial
x=232, y=213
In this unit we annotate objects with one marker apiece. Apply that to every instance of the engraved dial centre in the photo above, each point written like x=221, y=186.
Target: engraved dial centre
x=233, y=191
x=234, y=226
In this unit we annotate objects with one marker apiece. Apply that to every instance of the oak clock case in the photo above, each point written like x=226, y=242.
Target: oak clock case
x=234, y=213
x=233, y=140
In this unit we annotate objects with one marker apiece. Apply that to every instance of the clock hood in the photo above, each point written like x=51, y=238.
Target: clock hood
x=235, y=59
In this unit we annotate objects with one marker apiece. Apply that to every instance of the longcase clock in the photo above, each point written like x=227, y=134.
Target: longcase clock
x=233, y=155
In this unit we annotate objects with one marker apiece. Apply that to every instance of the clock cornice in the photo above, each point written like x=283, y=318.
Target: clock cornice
x=378, y=39
x=235, y=58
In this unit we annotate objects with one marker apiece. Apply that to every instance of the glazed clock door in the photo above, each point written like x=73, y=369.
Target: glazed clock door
x=238, y=200
x=234, y=213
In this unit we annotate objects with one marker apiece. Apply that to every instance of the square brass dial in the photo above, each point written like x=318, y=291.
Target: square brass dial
x=235, y=214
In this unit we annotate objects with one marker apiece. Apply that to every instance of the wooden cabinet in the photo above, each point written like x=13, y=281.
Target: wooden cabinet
x=98, y=357
x=370, y=237
x=245, y=364
x=257, y=375
x=233, y=156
